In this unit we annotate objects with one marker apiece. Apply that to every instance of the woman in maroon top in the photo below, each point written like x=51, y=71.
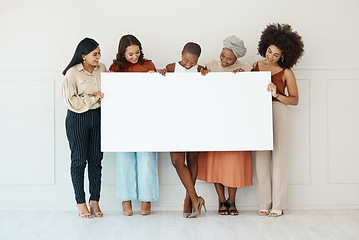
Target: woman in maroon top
x=281, y=47
x=137, y=176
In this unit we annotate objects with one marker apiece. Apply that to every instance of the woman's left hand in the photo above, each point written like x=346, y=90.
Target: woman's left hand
x=238, y=70
x=273, y=89
x=204, y=71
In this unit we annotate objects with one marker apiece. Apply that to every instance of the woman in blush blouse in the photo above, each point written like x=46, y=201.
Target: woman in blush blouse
x=82, y=95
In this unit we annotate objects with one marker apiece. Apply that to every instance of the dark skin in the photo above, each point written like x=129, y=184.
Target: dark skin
x=188, y=61
x=187, y=173
x=171, y=67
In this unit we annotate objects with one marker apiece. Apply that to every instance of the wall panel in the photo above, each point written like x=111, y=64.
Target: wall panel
x=343, y=131
x=27, y=132
x=299, y=154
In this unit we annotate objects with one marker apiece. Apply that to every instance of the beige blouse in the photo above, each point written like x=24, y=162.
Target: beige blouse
x=215, y=66
x=80, y=87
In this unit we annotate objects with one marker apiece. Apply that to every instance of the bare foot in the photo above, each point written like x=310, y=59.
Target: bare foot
x=275, y=213
x=95, y=209
x=263, y=212
x=83, y=211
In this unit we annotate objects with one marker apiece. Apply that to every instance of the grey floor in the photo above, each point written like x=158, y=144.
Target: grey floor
x=294, y=224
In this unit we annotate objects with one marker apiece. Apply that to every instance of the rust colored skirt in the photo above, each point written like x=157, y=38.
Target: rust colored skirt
x=232, y=169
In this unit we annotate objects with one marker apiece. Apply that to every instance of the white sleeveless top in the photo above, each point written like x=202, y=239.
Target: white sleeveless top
x=180, y=69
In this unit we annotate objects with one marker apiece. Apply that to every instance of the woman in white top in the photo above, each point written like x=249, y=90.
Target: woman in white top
x=187, y=173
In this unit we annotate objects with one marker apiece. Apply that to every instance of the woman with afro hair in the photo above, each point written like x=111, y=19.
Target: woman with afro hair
x=282, y=48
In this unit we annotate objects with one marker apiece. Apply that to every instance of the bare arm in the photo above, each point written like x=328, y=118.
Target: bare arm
x=169, y=68
x=292, y=98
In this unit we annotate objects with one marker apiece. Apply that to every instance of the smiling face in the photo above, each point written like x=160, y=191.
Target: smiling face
x=227, y=57
x=273, y=54
x=93, y=57
x=189, y=60
x=132, y=54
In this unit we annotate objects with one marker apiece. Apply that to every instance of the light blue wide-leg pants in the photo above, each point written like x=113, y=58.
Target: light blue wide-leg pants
x=137, y=176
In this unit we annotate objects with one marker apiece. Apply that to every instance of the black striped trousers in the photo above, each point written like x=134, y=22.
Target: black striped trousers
x=83, y=133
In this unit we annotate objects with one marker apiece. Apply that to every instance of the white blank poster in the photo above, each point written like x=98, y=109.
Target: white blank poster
x=186, y=112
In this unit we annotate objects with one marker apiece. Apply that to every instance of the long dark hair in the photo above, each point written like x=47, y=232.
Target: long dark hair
x=126, y=41
x=86, y=46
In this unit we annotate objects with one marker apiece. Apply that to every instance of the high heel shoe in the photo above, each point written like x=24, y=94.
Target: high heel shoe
x=84, y=215
x=201, y=203
x=145, y=211
x=234, y=211
x=127, y=212
x=96, y=214
x=223, y=211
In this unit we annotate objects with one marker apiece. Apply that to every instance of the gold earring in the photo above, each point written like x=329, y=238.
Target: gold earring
x=282, y=59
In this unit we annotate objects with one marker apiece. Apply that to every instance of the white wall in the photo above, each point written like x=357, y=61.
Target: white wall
x=38, y=39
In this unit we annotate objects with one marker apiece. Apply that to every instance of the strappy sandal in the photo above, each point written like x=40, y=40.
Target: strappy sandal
x=223, y=211
x=263, y=212
x=276, y=213
x=84, y=215
x=233, y=212
x=96, y=214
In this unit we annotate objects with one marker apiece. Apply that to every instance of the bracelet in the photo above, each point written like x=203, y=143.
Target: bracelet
x=277, y=96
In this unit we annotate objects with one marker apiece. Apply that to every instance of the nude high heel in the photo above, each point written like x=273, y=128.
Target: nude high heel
x=201, y=203
x=96, y=214
x=84, y=215
x=127, y=212
x=145, y=211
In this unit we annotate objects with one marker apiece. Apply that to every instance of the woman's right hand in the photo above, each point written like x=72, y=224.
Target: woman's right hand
x=238, y=70
x=162, y=72
x=204, y=71
x=99, y=96
x=272, y=88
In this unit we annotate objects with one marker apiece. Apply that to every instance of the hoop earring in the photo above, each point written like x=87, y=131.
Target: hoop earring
x=282, y=59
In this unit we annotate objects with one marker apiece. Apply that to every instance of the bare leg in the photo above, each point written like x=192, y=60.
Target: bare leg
x=192, y=164
x=223, y=210
x=232, y=199
x=178, y=161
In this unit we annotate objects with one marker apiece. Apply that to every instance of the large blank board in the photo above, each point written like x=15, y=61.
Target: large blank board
x=186, y=112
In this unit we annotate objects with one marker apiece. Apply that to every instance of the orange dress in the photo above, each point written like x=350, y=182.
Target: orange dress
x=232, y=168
